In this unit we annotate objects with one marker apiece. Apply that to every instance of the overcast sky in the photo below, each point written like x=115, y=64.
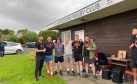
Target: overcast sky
x=36, y=14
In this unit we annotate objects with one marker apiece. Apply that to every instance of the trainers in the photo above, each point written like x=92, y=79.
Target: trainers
x=68, y=72
x=95, y=77
x=51, y=76
x=41, y=76
x=37, y=78
x=81, y=75
x=73, y=73
x=61, y=73
x=55, y=73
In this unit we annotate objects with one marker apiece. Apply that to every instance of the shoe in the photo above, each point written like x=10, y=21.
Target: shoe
x=41, y=76
x=55, y=73
x=68, y=72
x=48, y=74
x=73, y=73
x=82, y=75
x=37, y=79
x=61, y=73
x=51, y=76
x=95, y=77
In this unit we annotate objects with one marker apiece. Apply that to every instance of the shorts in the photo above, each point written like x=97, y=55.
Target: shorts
x=48, y=58
x=59, y=59
x=133, y=63
x=68, y=57
x=88, y=60
x=78, y=58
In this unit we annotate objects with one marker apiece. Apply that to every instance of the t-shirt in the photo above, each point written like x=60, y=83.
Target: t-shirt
x=86, y=52
x=59, y=49
x=68, y=48
x=134, y=49
x=49, y=48
x=77, y=47
x=39, y=46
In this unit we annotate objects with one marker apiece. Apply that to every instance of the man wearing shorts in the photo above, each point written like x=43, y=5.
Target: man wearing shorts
x=133, y=47
x=77, y=52
x=68, y=55
x=59, y=52
x=48, y=57
x=88, y=53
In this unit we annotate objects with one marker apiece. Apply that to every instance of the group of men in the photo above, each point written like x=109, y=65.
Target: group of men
x=70, y=52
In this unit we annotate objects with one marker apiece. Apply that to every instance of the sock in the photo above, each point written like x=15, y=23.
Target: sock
x=72, y=69
x=135, y=81
x=48, y=71
x=86, y=72
x=81, y=72
x=51, y=73
x=68, y=69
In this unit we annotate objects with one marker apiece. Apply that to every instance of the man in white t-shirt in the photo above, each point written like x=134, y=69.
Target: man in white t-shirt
x=68, y=56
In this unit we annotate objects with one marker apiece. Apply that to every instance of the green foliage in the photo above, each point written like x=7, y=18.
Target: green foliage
x=18, y=69
x=0, y=35
x=13, y=38
x=52, y=34
x=7, y=31
x=27, y=36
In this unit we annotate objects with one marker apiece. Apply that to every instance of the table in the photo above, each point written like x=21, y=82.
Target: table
x=118, y=62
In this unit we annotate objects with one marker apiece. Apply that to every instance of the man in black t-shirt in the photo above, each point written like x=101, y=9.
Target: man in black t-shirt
x=77, y=52
x=39, y=48
x=133, y=47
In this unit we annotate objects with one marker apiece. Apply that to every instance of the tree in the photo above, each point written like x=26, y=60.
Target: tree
x=13, y=38
x=7, y=32
x=0, y=35
x=26, y=36
x=46, y=33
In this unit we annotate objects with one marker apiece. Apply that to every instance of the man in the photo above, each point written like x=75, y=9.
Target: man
x=77, y=52
x=88, y=53
x=68, y=56
x=133, y=47
x=39, y=48
x=49, y=45
x=59, y=52
x=2, y=48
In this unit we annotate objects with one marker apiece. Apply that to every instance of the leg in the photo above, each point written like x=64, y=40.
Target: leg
x=47, y=67
x=135, y=75
x=41, y=66
x=51, y=66
x=86, y=68
x=81, y=66
x=77, y=66
x=37, y=67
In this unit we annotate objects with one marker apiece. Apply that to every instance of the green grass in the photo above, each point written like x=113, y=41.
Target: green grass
x=18, y=69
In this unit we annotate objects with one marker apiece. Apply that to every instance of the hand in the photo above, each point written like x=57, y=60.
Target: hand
x=44, y=50
x=132, y=45
x=135, y=45
x=88, y=48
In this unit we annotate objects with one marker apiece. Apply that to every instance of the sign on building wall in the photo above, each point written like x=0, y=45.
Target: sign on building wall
x=80, y=33
x=66, y=34
x=100, y=4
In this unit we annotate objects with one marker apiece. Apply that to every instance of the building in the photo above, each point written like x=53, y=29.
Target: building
x=108, y=22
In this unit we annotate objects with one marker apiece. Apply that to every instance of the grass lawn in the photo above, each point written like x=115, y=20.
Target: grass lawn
x=18, y=69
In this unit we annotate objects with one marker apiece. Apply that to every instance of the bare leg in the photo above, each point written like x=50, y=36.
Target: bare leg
x=77, y=66
x=71, y=64
x=86, y=68
x=47, y=66
x=51, y=67
x=81, y=67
